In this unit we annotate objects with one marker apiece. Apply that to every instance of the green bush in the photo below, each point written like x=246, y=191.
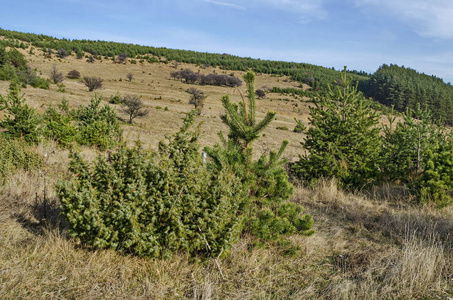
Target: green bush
x=97, y=126
x=300, y=127
x=419, y=154
x=436, y=183
x=16, y=154
x=59, y=125
x=153, y=204
x=116, y=99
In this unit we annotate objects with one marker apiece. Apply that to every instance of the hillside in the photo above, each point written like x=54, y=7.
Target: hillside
x=373, y=243
x=166, y=98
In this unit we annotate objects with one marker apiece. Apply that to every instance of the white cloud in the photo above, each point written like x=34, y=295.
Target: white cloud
x=227, y=4
x=427, y=18
x=307, y=8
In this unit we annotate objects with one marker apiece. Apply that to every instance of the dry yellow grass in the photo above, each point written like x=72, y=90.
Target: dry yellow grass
x=159, y=91
x=366, y=246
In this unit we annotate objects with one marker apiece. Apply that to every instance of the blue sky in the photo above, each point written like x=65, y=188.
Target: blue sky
x=362, y=34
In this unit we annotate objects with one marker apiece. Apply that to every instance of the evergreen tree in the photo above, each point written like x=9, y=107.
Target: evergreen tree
x=436, y=183
x=406, y=144
x=59, y=124
x=419, y=154
x=269, y=213
x=21, y=120
x=98, y=125
x=343, y=140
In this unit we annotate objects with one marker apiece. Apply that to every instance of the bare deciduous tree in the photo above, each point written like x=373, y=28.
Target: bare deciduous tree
x=62, y=53
x=260, y=93
x=122, y=58
x=197, y=98
x=55, y=75
x=92, y=83
x=129, y=76
x=133, y=106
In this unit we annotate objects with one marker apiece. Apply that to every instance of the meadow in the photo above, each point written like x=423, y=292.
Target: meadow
x=368, y=244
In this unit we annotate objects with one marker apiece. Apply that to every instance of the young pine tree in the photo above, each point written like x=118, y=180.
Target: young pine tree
x=343, y=140
x=405, y=145
x=21, y=120
x=419, y=154
x=269, y=213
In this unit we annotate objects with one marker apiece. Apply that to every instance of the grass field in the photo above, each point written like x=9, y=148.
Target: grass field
x=167, y=99
x=367, y=245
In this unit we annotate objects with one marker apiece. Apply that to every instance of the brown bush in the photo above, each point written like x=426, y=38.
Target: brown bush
x=73, y=74
x=93, y=83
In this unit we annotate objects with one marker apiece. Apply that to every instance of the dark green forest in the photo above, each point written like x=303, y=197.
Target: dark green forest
x=391, y=85
x=405, y=88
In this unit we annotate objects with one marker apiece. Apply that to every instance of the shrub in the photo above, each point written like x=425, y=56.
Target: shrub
x=116, y=99
x=97, y=126
x=16, y=154
x=300, y=127
x=59, y=125
x=92, y=83
x=79, y=54
x=122, y=58
x=211, y=79
x=282, y=128
x=153, y=205
x=73, y=74
x=62, y=53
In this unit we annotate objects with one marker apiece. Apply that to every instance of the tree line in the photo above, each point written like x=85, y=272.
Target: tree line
x=404, y=88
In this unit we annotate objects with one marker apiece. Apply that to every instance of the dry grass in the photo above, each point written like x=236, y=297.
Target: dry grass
x=362, y=249
x=366, y=246
x=159, y=91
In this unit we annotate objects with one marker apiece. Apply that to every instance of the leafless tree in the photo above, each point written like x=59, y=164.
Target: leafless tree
x=197, y=98
x=133, y=106
x=62, y=53
x=129, y=76
x=55, y=75
x=260, y=93
x=122, y=58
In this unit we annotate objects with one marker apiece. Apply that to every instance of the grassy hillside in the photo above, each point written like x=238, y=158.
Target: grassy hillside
x=166, y=98
x=372, y=244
